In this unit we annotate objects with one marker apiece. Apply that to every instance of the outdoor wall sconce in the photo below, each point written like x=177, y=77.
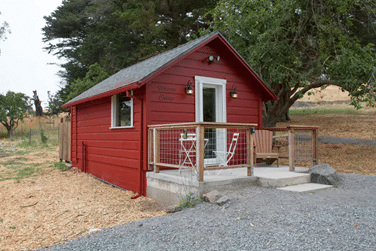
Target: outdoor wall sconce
x=188, y=89
x=234, y=93
x=211, y=58
x=129, y=94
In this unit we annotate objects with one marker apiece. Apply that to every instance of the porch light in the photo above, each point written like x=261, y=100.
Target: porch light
x=234, y=93
x=188, y=89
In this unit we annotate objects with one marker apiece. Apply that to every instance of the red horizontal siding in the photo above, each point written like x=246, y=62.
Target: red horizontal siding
x=111, y=154
x=126, y=136
x=181, y=107
x=115, y=144
x=118, y=153
x=115, y=174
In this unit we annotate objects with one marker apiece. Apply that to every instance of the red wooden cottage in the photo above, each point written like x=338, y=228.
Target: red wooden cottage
x=110, y=120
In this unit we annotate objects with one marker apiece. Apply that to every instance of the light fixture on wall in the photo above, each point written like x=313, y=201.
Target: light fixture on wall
x=129, y=94
x=212, y=58
x=189, y=89
x=234, y=93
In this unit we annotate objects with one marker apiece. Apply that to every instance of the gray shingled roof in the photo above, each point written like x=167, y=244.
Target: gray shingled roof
x=140, y=71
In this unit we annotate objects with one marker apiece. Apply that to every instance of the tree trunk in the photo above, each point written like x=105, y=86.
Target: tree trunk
x=276, y=111
x=9, y=129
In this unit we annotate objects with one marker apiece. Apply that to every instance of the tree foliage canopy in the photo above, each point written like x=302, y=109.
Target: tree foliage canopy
x=298, y=45
x=14, y=107
x=4, y=29
x=117, y=33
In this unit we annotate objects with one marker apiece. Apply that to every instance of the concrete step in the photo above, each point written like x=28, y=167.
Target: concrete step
x=308, y=187
x=282, y=179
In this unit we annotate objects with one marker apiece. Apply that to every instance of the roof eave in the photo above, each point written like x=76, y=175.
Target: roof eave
x=132, y=86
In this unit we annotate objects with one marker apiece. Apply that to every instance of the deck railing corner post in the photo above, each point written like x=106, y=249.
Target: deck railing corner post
x=200, y=132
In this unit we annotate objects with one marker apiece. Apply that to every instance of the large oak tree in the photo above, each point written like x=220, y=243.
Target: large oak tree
x=298, y=45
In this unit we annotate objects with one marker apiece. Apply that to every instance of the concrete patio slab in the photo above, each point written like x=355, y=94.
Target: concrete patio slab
x=170, y=186
x=308, y=187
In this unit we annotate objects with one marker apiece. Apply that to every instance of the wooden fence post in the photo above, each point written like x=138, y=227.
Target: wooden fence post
x=200, y=161
x=249, y=152
x=156, y=147
x=61, y=143
x=314, y=147
x=291, y=150
x=64, y=141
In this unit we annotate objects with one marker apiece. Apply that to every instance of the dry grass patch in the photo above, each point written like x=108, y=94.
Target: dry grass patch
x=357, y=159
x=53, y=208
x=41, y=206
x=339, y=125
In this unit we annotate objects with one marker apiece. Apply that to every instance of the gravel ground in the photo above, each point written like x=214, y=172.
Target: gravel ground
x=352, y=141
x=256, y=218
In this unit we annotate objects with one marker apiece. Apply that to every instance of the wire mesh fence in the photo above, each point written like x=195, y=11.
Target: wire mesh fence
x=298, y=144
x=179, y=146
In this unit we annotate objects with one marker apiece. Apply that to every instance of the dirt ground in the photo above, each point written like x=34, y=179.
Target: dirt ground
x=54, y=206
x=343, y=158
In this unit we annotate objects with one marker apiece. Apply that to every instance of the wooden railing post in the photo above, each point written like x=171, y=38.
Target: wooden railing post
x=200, y=162
x=156, y=147
x=249, y=152
x=314, y=147
x=291, y=150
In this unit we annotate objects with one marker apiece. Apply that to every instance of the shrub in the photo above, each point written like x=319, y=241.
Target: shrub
x=189, y=200
x=43, y=138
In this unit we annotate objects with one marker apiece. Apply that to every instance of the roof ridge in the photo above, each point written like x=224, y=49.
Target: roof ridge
x=142, y=70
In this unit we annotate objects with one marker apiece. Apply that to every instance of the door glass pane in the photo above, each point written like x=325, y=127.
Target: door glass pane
x=209, y=113
x=209, y=104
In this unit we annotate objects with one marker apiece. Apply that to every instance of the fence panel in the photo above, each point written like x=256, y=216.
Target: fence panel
x=64, y=141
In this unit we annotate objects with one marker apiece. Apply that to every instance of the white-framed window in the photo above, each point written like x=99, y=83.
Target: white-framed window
x=121, y=111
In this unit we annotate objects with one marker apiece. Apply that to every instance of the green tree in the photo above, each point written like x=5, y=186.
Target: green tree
x=117, y=33
x=4, y=29
x=297, y=45
x=95, y=75
x=54, y=104
x=14, y=107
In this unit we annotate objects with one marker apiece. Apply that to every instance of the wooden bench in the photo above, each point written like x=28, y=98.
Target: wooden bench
x=264, y=147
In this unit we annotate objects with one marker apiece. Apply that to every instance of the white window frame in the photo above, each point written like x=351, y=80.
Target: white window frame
x=220, y=106
x=114, y=104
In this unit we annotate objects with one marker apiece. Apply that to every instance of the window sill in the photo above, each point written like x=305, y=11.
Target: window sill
x=121, y=127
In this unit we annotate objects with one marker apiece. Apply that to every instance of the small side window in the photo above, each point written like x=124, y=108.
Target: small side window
x=122, y=111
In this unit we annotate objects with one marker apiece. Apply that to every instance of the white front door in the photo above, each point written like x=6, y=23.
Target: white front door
x=211, y=107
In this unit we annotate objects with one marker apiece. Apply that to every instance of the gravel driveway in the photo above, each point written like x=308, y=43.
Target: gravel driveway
x=341, y=140
x=256, y=218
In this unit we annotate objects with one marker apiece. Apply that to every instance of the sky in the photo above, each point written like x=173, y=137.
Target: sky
x=23, y=62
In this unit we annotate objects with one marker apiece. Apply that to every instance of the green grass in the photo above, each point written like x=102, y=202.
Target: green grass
x=322, y=110
x=61, y=166
x=8, y=163
x=25, y=173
